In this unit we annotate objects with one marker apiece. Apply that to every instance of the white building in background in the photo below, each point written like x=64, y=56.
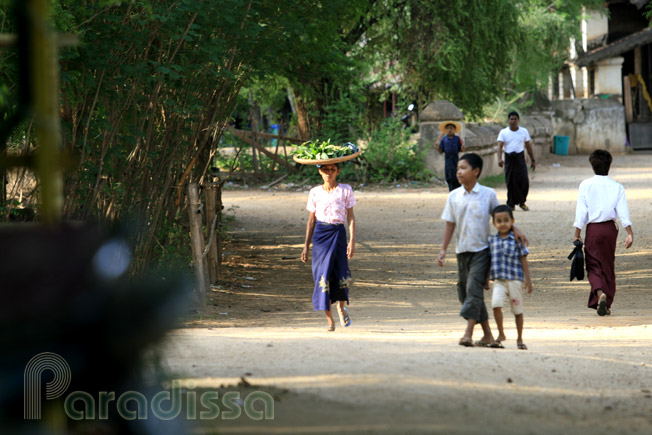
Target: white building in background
x=612, y=63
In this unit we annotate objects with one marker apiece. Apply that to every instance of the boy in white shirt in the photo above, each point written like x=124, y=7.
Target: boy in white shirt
x=599, y=202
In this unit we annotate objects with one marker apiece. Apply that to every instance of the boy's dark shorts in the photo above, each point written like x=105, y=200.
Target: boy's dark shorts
x=472, y=271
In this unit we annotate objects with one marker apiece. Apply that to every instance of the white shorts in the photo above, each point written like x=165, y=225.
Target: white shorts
x=507, y=288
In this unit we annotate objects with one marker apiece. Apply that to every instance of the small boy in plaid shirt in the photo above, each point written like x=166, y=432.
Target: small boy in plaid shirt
x=509, y=271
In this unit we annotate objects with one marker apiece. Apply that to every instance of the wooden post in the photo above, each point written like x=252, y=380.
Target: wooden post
x=197, y=241
x=210, y=217
x=218, y=227
x=627, y=99
x=638, y=70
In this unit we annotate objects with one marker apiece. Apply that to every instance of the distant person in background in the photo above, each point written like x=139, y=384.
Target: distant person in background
x=514, y=140
x=599, y=202
x=451, y=145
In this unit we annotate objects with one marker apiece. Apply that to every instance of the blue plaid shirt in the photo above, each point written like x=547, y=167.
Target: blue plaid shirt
x=506, y=257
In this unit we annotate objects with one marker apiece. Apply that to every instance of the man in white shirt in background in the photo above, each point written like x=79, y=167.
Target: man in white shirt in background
x=515, y=139
x=600, y=201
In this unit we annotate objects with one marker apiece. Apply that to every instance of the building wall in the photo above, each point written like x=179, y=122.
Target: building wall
x=595, y=28
x=591, y=124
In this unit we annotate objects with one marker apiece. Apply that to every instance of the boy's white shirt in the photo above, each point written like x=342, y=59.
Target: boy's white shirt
x=514, y=140
x=601, y=199
x=470, y=212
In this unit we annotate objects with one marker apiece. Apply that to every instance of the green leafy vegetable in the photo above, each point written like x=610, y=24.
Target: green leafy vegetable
x=322, y=150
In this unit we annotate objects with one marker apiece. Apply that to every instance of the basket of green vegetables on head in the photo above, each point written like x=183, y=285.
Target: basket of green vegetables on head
x=324, y=153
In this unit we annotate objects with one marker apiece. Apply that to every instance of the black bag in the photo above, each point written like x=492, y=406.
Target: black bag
x=577, y=265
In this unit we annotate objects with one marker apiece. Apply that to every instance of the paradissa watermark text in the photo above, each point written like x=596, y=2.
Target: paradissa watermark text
x=167, y=404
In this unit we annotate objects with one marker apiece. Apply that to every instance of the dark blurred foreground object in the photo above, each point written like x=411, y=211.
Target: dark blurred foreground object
x=577, y=265
x=66, y=290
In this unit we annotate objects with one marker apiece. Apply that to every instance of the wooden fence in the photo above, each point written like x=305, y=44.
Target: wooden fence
x=207, y=246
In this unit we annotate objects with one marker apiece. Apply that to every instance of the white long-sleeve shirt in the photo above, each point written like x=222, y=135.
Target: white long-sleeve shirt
x=601, y=199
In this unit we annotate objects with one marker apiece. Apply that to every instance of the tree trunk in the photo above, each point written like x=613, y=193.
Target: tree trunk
x=253, y=115
x=303, y=123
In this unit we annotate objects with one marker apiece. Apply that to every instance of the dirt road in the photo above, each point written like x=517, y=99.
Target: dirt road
x=398, y=368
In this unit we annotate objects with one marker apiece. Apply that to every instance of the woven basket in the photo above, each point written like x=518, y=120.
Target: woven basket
x=327, y=161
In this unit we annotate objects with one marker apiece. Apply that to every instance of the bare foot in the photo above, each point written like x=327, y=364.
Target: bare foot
x=521, y=345
x=501, y=337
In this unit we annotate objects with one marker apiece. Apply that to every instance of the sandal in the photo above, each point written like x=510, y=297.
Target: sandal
x=331, y=328
x=497, y=345
x=521, y=346
x=602, y=306
x=466, y=342
x=480, y=343
x=345, y=320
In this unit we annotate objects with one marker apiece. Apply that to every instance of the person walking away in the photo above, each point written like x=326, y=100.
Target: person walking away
x=599, y=202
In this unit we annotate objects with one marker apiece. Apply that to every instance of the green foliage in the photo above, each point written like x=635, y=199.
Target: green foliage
x=390, y=155
x=493, y=180
x=457, y=50
x=172, y=248
x=346, y=118
x=497, y=110
x=542, y=39
x=152, y=84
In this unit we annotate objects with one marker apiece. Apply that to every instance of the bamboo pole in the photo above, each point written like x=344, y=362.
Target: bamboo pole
x=44, y=77
x=197, y=241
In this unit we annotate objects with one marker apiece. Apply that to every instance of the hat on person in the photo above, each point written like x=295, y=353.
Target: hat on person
x=458, y=126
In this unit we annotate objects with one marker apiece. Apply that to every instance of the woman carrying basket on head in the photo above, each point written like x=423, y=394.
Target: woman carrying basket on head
x=331, y=210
